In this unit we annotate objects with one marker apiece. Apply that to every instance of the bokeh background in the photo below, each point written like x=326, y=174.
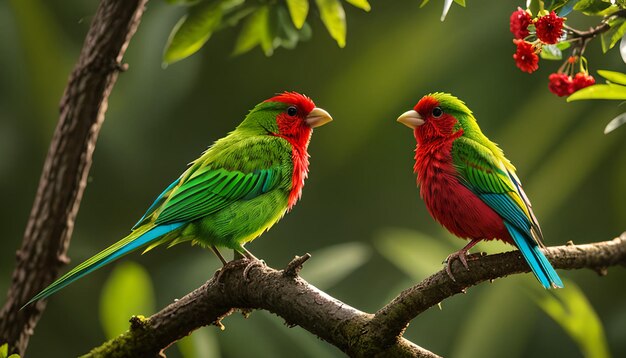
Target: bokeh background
x=360, y=216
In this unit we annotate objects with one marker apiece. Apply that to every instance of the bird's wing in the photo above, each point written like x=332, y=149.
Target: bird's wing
x=487, y=175
x=213, y=182
x=157, y=203
x=211, y=189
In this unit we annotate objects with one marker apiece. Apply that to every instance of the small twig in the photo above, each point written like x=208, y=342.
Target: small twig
x=582, y=38
x=293, y=268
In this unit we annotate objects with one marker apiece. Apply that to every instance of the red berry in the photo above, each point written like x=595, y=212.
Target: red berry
x=526, y=57
x=520, y=19
x=549, y=28
x=582, y=80
x=560, y=84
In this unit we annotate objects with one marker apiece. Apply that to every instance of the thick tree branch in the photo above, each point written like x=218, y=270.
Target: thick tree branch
x=291, y=298
x=354, y=332
x=392, y=320
x=64, y=176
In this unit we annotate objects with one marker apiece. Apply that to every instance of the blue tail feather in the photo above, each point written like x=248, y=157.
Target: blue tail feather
x=537, y=261
x=115, y=253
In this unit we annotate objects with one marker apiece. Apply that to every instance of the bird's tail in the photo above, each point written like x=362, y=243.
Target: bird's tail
x=137, y=239
x=537, y=261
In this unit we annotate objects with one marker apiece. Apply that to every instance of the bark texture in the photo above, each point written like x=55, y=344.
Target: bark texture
x=64, y=176
x=242, y=285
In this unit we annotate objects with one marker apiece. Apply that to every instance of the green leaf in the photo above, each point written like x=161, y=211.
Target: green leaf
x=563, y=45
x=334, y=18
x=614, y=77
x=332, y=264
x=446, y=7
x=287, y=35
x=192, y=31
x=622, y=48
x=424, y=2
x=609, y=11
x=614, y=123
x=614, y=34
x=127, y=292
x=572, y=311
x=229, y=5
x=551, y=52
x=361, y=4
x=600, y=91
x=232, y=18
x=460, y=2
x=563, y=8
x=535, y=6
x=4, y=351
x=298, y=9
x=254, y=31
x=591, y=7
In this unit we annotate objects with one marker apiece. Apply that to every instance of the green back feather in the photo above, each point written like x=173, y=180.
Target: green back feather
x=484, y=169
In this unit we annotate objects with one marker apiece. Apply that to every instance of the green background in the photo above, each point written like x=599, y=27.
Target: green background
x=361, y=189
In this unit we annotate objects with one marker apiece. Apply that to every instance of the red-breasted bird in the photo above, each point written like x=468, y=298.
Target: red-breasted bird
x=469, y=186
x=241, y=186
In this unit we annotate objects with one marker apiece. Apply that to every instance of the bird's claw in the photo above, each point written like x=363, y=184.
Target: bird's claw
x=220, y=273
x=461, y=256
x=248, y=262
x=250, y=265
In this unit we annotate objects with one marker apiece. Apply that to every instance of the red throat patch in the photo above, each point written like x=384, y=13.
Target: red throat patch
x=294, y=129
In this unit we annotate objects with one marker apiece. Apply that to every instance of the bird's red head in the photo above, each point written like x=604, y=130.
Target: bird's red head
x=298, y=116
x=431, y=119
x=438, y=123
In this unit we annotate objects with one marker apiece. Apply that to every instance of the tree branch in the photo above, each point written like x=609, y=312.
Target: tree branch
x=64, y=176
x=582, y=38
x=392, y=320
x=356, y=333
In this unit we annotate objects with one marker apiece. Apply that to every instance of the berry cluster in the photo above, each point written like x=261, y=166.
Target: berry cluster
x=531, y=35
x=563, y=84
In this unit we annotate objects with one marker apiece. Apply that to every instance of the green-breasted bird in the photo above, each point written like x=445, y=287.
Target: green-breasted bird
x=241, y=186
x=469, y=186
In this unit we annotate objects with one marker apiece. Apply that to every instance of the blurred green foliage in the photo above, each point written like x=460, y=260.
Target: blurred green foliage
x=127, y=292
x=361, y=190
x=570, y=308
x=269, y=24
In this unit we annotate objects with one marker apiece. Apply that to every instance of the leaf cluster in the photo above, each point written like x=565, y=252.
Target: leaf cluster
x=269, y=24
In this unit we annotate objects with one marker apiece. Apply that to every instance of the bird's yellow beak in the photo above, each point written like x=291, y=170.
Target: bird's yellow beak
x=411, y=119
x=318, y=117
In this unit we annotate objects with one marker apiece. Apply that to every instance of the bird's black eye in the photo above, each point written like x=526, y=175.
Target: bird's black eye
x=292, y=111
x=437, y=112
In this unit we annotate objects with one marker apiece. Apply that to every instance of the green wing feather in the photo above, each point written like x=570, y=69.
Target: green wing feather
x=480, y=167
x=210, y=190
x=490, y=175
